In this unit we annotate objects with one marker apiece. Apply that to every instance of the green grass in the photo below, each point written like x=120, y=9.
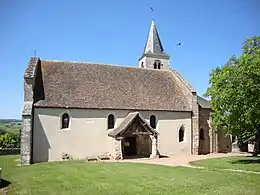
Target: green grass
x=8, y=127
x=78, y=177
x=247, y=163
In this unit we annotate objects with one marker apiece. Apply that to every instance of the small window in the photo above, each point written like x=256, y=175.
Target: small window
x=201, y=134
x=65, y=119
x=181, y=134
x=153, y=121
x=142, y=65
x=157, y=64
x=110, y=121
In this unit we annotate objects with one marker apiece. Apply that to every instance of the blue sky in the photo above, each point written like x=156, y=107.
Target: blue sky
x=115, y=32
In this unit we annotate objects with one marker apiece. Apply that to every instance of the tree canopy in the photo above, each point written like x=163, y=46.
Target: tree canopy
x=234, y=92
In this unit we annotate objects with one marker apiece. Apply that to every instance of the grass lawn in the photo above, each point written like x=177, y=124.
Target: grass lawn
x=248, y=163
x=78, y=177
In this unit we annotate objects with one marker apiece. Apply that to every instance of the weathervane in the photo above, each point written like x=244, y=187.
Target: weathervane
x=152, y=11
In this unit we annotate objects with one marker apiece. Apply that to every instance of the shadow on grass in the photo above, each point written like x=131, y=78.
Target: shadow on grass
x=4, y=183
x=246, y=161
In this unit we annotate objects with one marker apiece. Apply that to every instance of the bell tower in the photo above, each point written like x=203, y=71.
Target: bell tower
x=153, y=56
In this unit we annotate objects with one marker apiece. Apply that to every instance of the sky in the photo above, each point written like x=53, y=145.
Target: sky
x=115, y=31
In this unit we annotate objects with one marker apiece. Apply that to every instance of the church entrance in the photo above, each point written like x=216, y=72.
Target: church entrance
x=130, y=146
x=137, y=146
x=135, y=138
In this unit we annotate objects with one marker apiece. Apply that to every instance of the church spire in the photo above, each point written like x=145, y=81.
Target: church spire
x=153, y=55
x=153, y=44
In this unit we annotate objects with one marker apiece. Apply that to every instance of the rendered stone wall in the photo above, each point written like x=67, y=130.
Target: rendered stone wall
x=148, y=62
x=191, y=97
x=88, y=135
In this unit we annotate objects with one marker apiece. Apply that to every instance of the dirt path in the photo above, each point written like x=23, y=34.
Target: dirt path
x=180, y=160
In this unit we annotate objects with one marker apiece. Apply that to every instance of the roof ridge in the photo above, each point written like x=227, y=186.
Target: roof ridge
x=184, y=81
x=102, y=64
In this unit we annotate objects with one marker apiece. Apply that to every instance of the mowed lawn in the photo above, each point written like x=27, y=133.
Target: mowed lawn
x=79, y=177
x=247, y=163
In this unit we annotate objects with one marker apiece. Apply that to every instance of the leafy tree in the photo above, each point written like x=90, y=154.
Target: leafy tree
x=9, y=140
x=234, y=92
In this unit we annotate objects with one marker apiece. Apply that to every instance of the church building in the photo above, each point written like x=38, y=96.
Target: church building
x=85, y=109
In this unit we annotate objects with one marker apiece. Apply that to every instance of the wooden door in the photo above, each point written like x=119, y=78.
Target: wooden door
x=130, y=146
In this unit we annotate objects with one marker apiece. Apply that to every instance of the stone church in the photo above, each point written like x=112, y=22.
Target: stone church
x=87, y=109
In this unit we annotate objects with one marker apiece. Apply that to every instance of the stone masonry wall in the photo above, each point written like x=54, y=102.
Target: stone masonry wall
x=27, y=113
x=205, y=145
x=195, y=124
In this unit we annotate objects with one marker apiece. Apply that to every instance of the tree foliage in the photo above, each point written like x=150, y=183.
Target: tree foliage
x=234, y=92
x=9, y=140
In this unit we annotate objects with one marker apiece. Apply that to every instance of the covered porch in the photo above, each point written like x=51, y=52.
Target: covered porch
x=134, y=138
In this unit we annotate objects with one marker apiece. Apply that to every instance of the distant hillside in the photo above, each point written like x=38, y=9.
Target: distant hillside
x=10, y=121
x=10, y=125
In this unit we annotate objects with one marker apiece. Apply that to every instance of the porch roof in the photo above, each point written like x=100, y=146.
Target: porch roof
x=129, y=119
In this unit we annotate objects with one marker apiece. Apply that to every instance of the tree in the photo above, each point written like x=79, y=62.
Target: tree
x=9, y=140
x=234, y=92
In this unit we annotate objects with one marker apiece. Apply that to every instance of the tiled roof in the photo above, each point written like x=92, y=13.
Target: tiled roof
x=128, y=120
x=89, y=85
x=203, y=102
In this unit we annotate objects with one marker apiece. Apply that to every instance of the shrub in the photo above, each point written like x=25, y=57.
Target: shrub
x=9, y=140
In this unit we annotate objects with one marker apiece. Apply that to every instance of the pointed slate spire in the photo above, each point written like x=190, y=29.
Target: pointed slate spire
x=153, y=44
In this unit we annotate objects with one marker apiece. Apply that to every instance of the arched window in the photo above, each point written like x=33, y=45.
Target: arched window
x=201, y=135
x=153, y=121
x=142, y=65
x=65, y=120
x=157, y=64
x=181, y=134
x=110, y=121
